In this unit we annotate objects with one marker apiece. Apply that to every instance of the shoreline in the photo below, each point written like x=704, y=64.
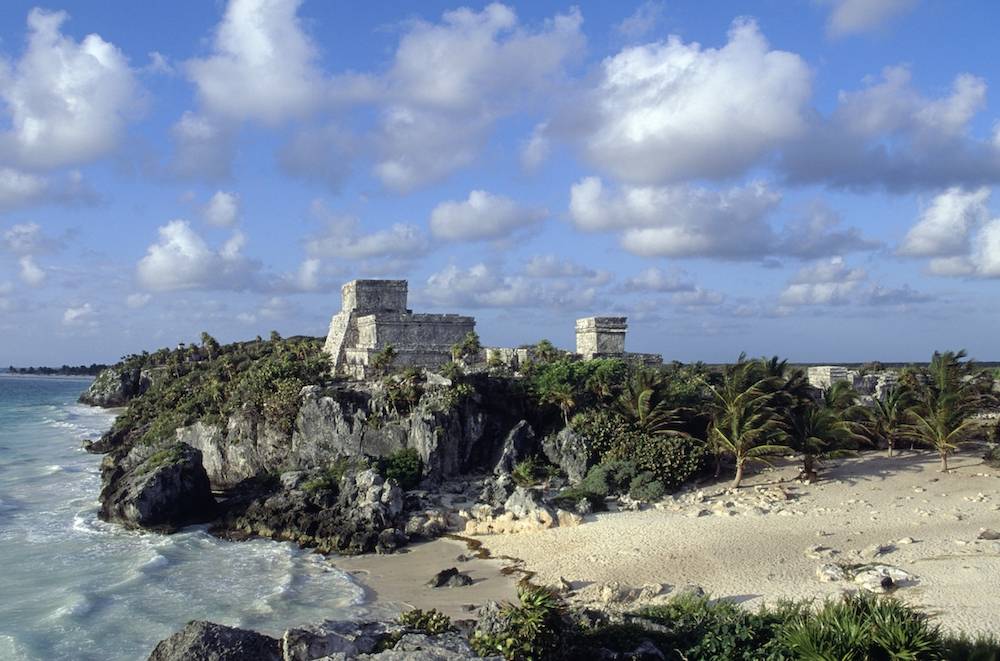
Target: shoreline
x=397, y=582
x=736, y=547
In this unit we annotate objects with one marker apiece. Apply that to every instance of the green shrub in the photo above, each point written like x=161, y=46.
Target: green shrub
x=615, y=478
x=531, y=631
x=431, y=622
x=531, y=471
x=404, y=466
x=329, y=478
x=600, y=429
x=672, y=459
x=863, y=626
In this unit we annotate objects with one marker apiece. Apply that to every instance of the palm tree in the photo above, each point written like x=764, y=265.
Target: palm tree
x=884, y=422
x=643, y=405
x=819, y=431
x=744, y=421
x=941, y=416
x=562, y=395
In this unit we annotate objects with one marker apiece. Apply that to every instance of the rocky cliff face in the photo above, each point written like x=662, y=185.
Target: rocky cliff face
x=117, y=385
x=156, y=488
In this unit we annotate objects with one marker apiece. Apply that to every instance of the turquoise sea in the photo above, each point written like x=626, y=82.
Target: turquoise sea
x=74, y=587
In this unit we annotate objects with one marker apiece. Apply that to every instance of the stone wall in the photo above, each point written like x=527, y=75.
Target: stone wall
x=374, y=296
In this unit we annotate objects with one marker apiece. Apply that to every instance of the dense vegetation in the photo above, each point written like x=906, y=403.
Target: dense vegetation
x=66, y=370
x=209, y=382
x=858, y=627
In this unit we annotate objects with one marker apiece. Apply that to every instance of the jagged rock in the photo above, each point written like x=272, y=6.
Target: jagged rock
x=517, y=446
x=449, y=646
x=568, y=451
x=156, y=488
x=247, y=447
x=988, y=534
x=330, y=638
x=818, y=552
x=497, y=490
x=449, y=578
x=525, y=502
x=206, y=641
x=647, y=651
x=116, y=386
x=584, y=507
x=362, y=513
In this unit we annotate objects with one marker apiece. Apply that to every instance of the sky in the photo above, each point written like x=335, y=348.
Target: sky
x=808, y=178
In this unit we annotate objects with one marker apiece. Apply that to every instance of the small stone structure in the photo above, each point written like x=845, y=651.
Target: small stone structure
x=601, y=337
x=824, y=376
x=373, y=316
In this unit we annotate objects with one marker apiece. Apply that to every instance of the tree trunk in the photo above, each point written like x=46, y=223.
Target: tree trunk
x=739, y=475
x=890, y=449
x=944, y=461
x=718, y=464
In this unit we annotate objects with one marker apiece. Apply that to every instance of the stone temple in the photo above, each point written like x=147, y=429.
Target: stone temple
x=373, y=315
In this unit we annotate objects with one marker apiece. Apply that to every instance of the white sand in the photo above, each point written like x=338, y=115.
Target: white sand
x=397, y=582
x=754, y=557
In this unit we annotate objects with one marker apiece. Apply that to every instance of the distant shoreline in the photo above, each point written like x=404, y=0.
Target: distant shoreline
x=58, y=375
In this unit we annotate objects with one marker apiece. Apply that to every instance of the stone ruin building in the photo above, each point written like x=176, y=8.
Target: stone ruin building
x=373, y=316
x=874, y=385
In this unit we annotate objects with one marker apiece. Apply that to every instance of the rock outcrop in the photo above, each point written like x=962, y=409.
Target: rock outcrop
x=117, y=385
x=207, y=641
x=156, y=488
x=568, y=451
x=359, y=513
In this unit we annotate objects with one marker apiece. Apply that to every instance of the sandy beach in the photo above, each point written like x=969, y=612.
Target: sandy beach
x=398, y=582
x=760, y=544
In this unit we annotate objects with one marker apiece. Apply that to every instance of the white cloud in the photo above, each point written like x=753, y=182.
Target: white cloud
x=642, y=21
x=536, y=148
x=27, y=239
x=678, y=221
x=32, y=274
x=450, y=81
x=697, y=297
x=81, y=315
x=658, y=280
x=832, y=282
x=263, y=66
x=204, y=147
x=550, y=266
x=182, y=260
x=19, y=189
x=343, y=237
x=223, y=209
x=856, y=16
x=482, y=215
x=669, y=111
x=138, y=300
x=945, y=226
x=817, y=233
x=889, y=135
x=68, y=101
x=485, y=286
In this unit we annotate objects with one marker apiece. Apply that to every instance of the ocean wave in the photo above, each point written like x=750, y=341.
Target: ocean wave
x=85, y=521
x=78, y=605
x=157, y=561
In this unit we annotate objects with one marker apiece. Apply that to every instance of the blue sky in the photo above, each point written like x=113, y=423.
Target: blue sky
x=810, y=178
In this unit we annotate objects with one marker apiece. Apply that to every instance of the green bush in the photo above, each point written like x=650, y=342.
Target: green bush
x=531, y=471
x=601, y=429
x=966, y=648
x=531, y=631
x=431, y=622
x=863, y=626
x=404, y=466
x=672, y=459
x=615, y=478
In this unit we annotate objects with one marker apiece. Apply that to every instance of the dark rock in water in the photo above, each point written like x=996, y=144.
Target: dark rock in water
x=206, y=641
x=517, y=446
x=449, y=578
x=359, y=514
x=156, y=488
x=116, y=386
x=568, y=451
